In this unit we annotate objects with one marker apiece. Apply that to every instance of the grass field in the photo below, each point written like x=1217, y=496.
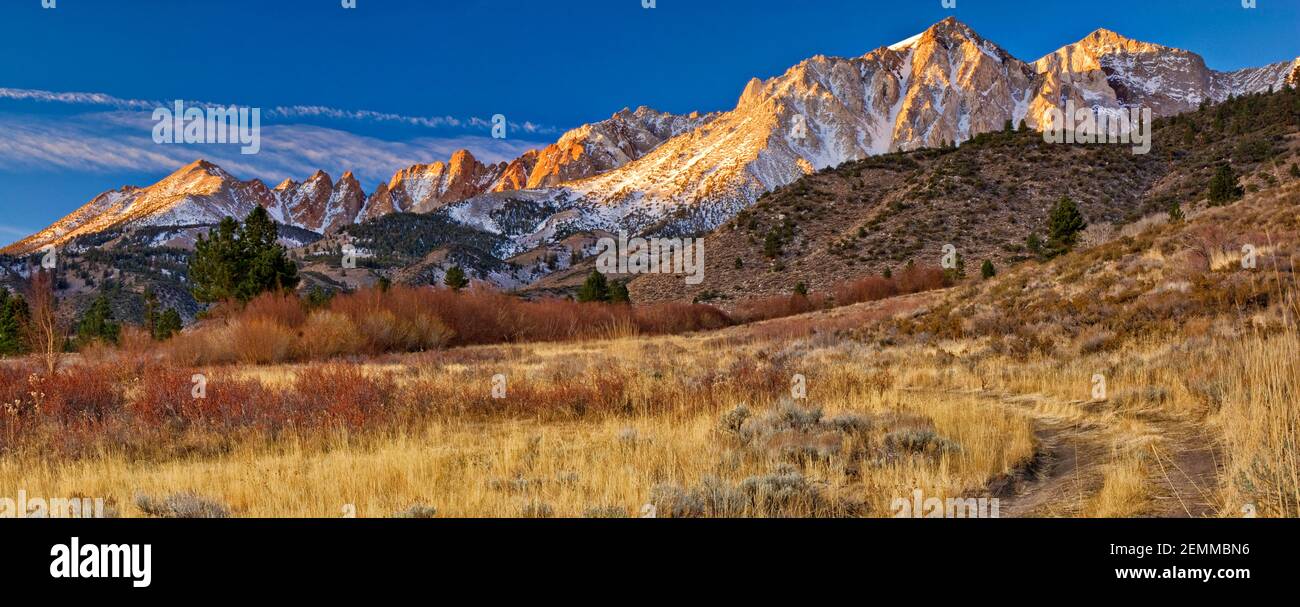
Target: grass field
x=709, y=425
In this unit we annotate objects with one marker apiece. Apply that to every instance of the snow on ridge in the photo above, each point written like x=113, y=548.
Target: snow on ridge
x=907, y=43
x=709, y=166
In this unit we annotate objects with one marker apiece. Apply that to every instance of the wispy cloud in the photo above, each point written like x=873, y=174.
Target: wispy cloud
x=119, y=142
x=98, y=99
x=302, y=111
x=284, y=112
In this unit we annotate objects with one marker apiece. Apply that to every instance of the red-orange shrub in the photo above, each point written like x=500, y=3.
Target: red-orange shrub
x=78, y=394
x=320, y=396
x=915, y=279
x=870, y=288
x=285, y=309
x=777, y=307
x=673, y=317
x=258, y=340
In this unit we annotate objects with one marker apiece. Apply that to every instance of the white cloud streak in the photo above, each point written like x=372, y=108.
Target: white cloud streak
x=286, y=112
x=121, y=142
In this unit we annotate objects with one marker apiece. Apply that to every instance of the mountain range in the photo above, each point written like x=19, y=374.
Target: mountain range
x=653, y=172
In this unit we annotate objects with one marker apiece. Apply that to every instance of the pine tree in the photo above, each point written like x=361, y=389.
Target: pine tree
x=1223, y=186
x=97, y=323
x=215, y=266
x=595, y=288
x=618, y=293
x=1034, y=244
x=455, y=279
x=169, y=324
x=318, y=298
x=772, y=245
x=13, y=317
x=1175, y=212
x=987, y=270
x=151, y=312
x=801, y=289
x=957, y=272
x=1064, y=225
x=268, y=265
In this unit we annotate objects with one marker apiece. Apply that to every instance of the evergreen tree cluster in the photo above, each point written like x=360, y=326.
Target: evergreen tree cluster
x=97, y=323
x=239, y=262
x=161, y=326
x=597, y=288
x=13, y=318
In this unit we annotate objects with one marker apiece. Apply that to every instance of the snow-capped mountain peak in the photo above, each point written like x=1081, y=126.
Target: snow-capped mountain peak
x=197, y=193
x=943, y=85
x=642, y=169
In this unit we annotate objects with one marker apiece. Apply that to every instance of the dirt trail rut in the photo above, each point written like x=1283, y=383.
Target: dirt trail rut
x=1075, y=451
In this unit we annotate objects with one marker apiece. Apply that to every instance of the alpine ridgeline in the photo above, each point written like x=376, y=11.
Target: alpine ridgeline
x=645, y=171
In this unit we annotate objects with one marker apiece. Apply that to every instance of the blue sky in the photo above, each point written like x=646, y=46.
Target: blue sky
x=430, y=72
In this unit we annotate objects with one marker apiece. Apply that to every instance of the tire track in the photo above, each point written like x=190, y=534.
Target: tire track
x=1068, y=469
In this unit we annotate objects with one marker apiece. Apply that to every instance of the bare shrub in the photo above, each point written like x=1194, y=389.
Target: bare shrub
x=536, y=509
x=777, y=307
x=673, y=318
x=915, y=279
x=328, y=334
x=920, y=440
x=710, y=498
x=80, y=395
x=417, y=511
x=734, y=420
x=181, y=505
x=45, y=330
x=605, y=512
x=784, y=493
x=259, y=341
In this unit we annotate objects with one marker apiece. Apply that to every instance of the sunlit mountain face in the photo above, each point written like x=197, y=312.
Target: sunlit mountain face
x=635, y=169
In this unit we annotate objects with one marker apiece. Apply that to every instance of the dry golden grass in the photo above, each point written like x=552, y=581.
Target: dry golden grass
x=1198, y=424
x=1124, y=492
x=596, y=463
x=947, y=419
x=1260, y=419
